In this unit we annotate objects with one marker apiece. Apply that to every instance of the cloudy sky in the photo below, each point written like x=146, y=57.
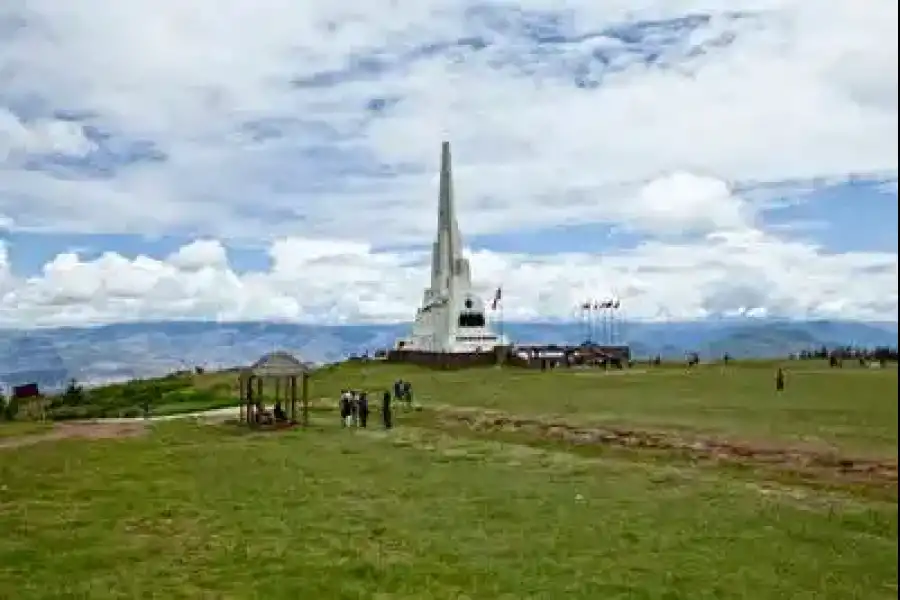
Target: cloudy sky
x=277, y=159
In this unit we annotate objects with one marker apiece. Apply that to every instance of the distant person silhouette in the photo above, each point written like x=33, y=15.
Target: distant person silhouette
x=407, y=394
x=345, y=408
x=363, y=409
x=386, y=410
x=779, y=380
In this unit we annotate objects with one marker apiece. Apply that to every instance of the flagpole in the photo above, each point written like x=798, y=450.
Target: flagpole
x=588, y=325
x=612, y=323
x=589, y=322
x=604, y=316
x=497, y=308
x=500, y=307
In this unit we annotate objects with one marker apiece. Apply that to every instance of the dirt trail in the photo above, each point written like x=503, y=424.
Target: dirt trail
x=92, y=430
x=806, y=461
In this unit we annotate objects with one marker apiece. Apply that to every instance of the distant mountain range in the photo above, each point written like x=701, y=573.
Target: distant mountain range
x=126, y=351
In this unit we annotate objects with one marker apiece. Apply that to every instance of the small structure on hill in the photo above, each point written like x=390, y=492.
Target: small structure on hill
x=25, y=401
x=26, y=391
x=285, y=373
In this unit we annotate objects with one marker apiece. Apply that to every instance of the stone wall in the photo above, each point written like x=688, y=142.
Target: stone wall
x=443, y=360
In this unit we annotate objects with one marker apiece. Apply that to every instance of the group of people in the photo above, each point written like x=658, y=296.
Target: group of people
x=354, y=405
x=403, y=392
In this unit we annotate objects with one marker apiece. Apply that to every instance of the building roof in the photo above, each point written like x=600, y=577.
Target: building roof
x=278, y=363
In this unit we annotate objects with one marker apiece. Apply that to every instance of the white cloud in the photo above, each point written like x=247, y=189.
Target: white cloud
x=43, y=136
x=199, y=255
x=326, y=281
x=246, y=148
x=804, y=90
x=684, y=202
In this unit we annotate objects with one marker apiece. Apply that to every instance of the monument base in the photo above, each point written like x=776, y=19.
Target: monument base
x=448, y=360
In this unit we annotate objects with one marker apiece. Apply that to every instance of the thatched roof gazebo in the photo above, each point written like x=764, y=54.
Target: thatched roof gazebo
x=283, y=370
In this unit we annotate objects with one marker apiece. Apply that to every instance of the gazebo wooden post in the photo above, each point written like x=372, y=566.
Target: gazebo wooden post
x=251, y=396
x=241, y=399
x=248, y=392
x=259, y=390
x=293, y=388
x=305, y=398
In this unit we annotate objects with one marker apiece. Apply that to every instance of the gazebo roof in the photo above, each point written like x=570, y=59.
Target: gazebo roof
x=276, y=364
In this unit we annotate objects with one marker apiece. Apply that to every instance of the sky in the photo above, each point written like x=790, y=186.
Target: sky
x=278, y=160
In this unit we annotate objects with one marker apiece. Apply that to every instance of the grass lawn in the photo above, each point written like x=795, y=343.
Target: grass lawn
x=189, y=406
x=10, y=429
x=852, y=409
x=192, y=512
x=213, y=511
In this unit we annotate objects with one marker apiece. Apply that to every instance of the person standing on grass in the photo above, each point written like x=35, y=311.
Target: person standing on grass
x=779, y=380
x=386, y=409
x=345, y=408
x=354, y=409
x=407, y=394
x=363, y=409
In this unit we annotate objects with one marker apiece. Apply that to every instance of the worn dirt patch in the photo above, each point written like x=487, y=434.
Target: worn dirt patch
x=805, y=461
x=92, y=430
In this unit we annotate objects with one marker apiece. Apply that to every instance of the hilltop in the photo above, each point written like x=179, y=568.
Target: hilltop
x=650, y=482
x=118, y=352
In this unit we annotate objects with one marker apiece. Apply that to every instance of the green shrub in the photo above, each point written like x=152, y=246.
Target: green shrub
x=73, y=395
x=11, y=409
x=131, y=412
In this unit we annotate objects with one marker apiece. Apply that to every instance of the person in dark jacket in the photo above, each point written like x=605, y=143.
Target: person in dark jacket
x=407, y=394
x=363, y=409
x=345, y=407
x=354, y=408
x=779, y=380
x=386, y=410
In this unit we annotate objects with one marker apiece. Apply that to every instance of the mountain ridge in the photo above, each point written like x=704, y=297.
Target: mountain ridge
x=120, y=351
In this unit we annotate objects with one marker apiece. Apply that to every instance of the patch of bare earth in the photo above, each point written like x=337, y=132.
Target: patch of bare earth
x=92, y=430
x=819, y=464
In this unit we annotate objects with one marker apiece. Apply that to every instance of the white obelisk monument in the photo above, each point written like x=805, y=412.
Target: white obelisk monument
x=452, y=317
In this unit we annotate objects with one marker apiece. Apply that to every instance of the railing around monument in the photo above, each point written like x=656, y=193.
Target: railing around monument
x=531, y=356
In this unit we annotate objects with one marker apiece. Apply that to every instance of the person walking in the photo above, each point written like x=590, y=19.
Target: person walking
x=407, y=394
x=363, y=409
x=386, y=410
x=354, y=401
x=345, y=408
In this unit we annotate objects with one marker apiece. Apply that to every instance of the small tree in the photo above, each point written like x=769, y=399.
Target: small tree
x=74, y=394
x=11, y=408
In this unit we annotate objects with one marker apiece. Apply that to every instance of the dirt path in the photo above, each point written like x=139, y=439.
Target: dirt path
x=91, y=430
x=804, y=461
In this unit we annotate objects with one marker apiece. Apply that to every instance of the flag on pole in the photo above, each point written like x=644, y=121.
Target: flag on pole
x=498, y=295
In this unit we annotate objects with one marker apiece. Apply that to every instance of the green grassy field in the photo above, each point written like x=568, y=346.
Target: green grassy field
x=426, y=511
x=19, y=428
x=852, y=409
